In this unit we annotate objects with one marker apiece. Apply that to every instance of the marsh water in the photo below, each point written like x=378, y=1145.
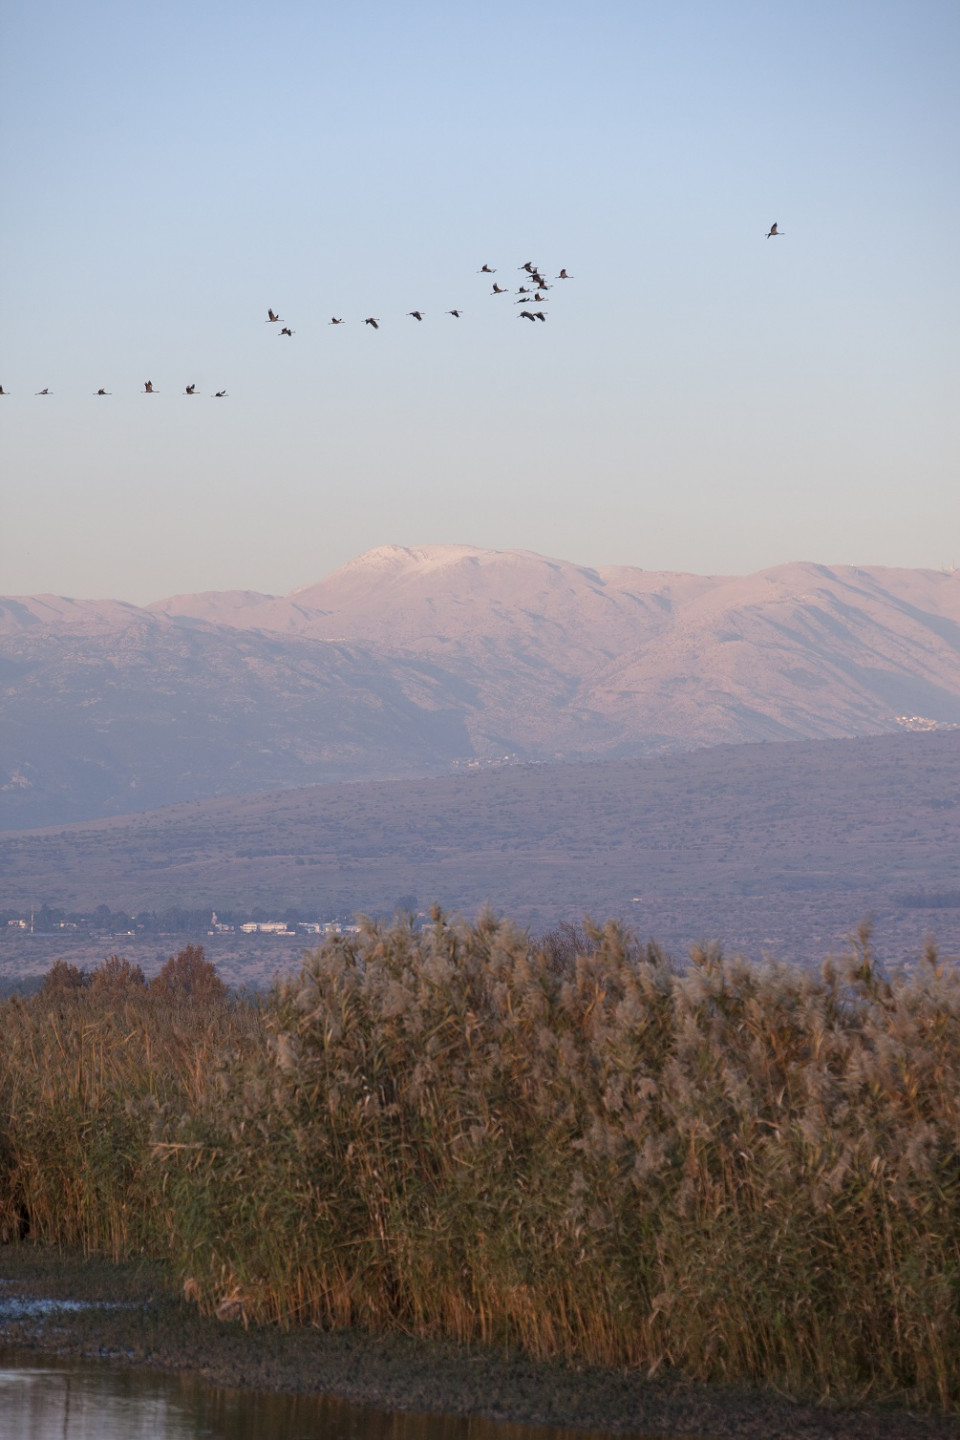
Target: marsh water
x=42, y=1399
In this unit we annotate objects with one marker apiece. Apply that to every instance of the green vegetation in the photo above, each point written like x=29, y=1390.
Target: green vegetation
x=566, y=1145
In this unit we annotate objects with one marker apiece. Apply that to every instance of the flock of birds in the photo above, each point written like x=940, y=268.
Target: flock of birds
x=533, y=292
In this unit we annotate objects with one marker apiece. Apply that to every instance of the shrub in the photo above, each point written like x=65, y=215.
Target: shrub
x=63, y=980
x=189, y=975
x=116, y=976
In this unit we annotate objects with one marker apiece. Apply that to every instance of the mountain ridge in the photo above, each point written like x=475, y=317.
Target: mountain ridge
x=407, y=660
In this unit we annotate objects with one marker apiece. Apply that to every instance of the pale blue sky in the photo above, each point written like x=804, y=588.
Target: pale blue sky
x=700, y=398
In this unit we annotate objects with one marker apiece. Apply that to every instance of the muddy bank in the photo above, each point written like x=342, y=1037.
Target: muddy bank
x=137, y=1320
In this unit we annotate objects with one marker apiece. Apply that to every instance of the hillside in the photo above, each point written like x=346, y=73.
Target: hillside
x=406, y=662
x=767, y=847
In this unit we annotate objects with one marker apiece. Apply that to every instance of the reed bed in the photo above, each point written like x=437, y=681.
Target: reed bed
x=90, y=1067
x=738, y=1172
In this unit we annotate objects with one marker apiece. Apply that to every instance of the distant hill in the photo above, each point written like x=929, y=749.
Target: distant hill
x=785, y=847
x=407, y=661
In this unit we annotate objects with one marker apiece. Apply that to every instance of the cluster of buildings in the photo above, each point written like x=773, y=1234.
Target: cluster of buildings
x=280, y=927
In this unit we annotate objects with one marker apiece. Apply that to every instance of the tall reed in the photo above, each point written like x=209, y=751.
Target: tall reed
x=741, y=1172
x=89, y=1068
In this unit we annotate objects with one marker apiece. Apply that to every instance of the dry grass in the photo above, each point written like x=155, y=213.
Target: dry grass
x=742, y=1173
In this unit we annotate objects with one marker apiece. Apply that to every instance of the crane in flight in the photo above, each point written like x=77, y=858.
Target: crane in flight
x=773, y=231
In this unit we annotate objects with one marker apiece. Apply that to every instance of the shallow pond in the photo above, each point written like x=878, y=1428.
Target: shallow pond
x=49, y=1400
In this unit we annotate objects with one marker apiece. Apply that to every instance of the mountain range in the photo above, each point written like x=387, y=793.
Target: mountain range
x=414, y=661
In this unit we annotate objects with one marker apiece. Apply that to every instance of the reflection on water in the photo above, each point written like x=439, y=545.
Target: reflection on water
x=43, y=1400
x=40, y=1402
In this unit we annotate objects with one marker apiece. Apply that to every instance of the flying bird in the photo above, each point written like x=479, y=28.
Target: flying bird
x=219, y=395
x=43, y=392
x=773, y=231
x=498, y=289
x=104, y=392
x=455, y=313
x=4, y=392
x=335, y=321
x=526, y=315
x=416, y=314
x=148, y=388
x=271, y=317
x=370, y=321
x=539, y=299
x=190, y=390
x=540, y=316
x=564, y=276
x=287, y=331
x=527, y=265
x=485, y=270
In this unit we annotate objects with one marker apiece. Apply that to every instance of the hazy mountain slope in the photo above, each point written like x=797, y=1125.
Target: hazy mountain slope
x=798, y=650
x=406, y=659
x=786, y=846
x=36, y=614
x=106, y=723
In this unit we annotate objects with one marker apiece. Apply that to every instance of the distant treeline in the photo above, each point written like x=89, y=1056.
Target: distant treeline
x=175, y=920
x=734, y=1172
